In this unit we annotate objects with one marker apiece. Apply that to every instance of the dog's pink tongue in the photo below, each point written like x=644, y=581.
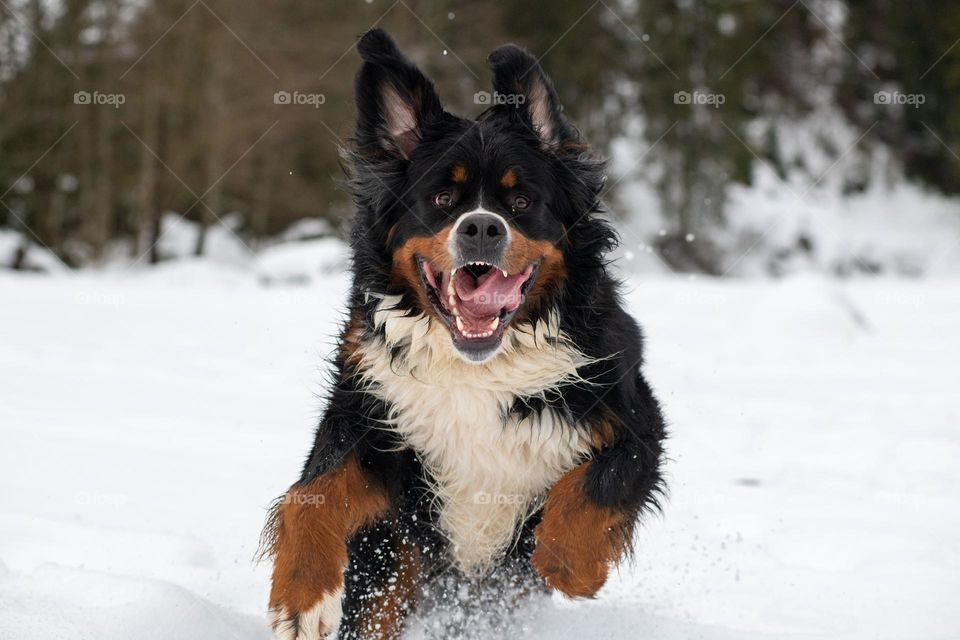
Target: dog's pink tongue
x=486, y=296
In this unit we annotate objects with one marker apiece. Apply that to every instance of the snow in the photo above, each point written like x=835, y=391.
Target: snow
x=899, y=228
x=835, y=188
x=36, y=259
x=149, y=416
x=300, y=263
x=178, y=238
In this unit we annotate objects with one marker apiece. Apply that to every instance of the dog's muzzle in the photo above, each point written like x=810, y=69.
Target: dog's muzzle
x=481, y=237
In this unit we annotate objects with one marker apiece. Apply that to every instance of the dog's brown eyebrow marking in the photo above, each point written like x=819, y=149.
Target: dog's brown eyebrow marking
x=509, y=179
x=390, y=233
x=459, y=173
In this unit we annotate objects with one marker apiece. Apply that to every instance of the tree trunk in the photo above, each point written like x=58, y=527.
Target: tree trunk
x=101, y=218
x=214, y=97
x=147, y=227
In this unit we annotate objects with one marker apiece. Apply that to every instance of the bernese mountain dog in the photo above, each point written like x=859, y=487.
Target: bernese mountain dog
x=488, y=427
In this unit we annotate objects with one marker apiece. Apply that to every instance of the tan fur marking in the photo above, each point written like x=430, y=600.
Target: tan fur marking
x=576, y=539
x=605, y=430
x=524, y=251
x=313, y=523
x=406, y=272
x=390, y=233
x=459, y=173
x=509, y=179
x=351, y=340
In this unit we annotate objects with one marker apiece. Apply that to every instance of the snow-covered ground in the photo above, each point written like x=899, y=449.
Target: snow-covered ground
x=147, y=419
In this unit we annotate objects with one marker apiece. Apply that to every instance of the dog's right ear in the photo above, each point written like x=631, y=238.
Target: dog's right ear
x=394, y=99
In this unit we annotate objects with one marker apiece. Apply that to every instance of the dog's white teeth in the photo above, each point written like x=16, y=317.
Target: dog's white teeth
x=474, y=334
x=460, y=325
x=494, y=324
x=504, y=272
x=483, y=334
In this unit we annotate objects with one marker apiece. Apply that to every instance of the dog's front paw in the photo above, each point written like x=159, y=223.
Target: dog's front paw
x=314, y=622
x=577, y=539
x=575, y=572
x=306, y=599
x=306, y=535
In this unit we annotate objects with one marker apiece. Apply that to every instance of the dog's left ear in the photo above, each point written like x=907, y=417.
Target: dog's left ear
x=395, y=101
x=523, y=92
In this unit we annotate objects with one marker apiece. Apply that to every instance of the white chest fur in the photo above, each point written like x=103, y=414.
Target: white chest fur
x=489, y=469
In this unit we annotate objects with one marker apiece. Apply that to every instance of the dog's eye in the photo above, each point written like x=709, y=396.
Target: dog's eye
x=521, y=202
x=443, y=199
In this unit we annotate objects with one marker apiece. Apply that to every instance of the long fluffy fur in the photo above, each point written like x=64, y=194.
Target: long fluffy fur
x=468, y=452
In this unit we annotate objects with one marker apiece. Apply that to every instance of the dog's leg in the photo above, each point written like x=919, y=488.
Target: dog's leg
x=577, y=539
x=383, y=583
x=309, y=545
x=589, y=515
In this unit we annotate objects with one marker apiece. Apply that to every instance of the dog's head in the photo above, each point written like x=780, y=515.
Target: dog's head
x=474, y=222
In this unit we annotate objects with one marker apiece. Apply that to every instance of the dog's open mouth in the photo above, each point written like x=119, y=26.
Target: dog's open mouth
x=477, y=302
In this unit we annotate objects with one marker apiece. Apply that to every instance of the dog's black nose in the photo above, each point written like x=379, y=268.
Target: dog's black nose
x=481, y=236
